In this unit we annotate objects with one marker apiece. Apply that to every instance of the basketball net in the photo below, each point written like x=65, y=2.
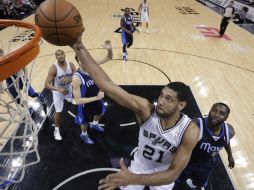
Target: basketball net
x=18, y=131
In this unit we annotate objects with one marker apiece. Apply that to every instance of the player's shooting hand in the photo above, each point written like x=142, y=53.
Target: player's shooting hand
x=122, y=178
x=78, y=45
x=231, y=162
x=100, y=95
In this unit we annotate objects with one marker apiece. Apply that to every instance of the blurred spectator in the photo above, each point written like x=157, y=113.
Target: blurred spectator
x=9, y=10
x=28, y=4
x=18, y=9
x=241, y=16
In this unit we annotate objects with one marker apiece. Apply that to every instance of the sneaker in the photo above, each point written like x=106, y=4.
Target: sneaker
x=147, y=31
x=97, y=127
x=86, y=139
x=140, y=30
x=57, y=135
x=125, y=58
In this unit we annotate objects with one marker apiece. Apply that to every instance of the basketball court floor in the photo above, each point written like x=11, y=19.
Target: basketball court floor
x=182, y=46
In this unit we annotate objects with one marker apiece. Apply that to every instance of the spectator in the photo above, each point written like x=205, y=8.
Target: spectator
x=243, y=15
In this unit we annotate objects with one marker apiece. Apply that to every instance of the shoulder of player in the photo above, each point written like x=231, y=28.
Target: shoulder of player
x=231, y=129
x=72, y=66
x=145, y=107
x=53, y=69
x=144, y=103
x=193, y=125
x=192, y=132
x=197, y=120
x=76, y=79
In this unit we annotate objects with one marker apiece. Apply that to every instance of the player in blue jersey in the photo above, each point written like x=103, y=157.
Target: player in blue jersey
x=127, y=32
x=88, y=97
x=215, y=134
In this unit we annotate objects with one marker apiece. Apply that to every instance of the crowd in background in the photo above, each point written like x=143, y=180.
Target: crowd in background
x=17, y=9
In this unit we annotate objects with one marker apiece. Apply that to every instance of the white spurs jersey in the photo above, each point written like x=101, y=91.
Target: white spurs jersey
x=144, y=8
x=63, y=77
x=156, y=146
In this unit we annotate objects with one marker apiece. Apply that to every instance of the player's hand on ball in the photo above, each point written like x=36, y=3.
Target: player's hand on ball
x=100, y=95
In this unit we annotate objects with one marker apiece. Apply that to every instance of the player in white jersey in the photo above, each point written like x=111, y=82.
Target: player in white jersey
x=59, y=82
x=156, y=147
x=144, y=15
x=166, y=137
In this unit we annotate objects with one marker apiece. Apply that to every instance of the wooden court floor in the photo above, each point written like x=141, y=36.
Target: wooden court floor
x=181, y=46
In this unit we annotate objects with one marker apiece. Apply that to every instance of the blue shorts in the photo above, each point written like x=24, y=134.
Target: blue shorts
x=90, y=109
x=127, y=38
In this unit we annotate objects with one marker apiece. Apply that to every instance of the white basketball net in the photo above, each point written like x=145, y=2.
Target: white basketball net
x=18, y=131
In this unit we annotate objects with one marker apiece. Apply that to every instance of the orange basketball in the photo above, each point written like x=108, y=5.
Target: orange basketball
x=60, y=22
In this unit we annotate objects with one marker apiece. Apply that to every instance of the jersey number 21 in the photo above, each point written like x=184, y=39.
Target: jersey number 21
x=150, y=154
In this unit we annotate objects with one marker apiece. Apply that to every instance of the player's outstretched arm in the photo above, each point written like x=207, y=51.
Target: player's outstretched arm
x=77, y=94
x=179, y=162
x=139, y=105
x=107, y=45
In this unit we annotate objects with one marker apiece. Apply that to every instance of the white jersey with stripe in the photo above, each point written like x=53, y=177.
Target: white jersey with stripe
x=156, y=146
x=63, y=77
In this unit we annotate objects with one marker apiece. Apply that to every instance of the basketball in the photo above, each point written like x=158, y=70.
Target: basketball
x=60, y=22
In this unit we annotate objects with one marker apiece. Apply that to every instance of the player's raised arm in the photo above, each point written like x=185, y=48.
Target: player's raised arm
x=107, y=45
x=139, y=105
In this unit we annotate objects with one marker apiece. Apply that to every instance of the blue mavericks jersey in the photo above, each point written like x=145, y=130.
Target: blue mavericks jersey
x=88, y=88
x=127, y=22
x=209, y=145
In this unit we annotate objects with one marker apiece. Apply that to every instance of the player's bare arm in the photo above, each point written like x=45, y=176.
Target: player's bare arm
x=49, y=81
x=139, y=8
x=231, y=161
x=77, y=94
x=139, y=105
x=73, y=68
x=179, y=162
x=107, y=45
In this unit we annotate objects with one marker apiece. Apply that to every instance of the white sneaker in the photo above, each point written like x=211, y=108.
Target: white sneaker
x=125, y=56
x=140, y=30
x=57, y=135
x=147, y=31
